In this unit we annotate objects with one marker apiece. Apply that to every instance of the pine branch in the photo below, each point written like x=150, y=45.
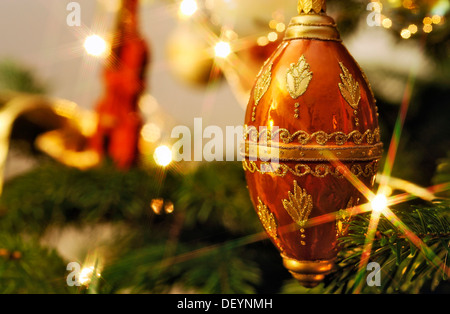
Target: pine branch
x=216, y=269
x=404, y=268
x=15, y=77
x=28, y=268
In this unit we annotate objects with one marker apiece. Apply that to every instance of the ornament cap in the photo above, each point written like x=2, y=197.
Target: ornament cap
x=313, y=26
x=312, y=22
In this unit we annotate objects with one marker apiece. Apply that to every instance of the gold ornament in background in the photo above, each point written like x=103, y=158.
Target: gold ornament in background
x=66, y=128
x=188, y=55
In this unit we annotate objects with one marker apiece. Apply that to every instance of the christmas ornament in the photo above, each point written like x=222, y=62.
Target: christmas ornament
x=311, y=114
x=50, y=115
x=119, y=122
x=189, y=55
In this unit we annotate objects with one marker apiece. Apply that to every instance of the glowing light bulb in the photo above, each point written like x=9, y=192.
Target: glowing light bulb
x=281, y=27
x=151, y=132
x=413, y=28
x=272, y=36
x=436, y=19
x=427, y=20
x=379, y=203
x=163, y=155
x=95, y=45
x=188, y=7
x=427, y=28
x=222, y=49
x=86, y=275
x=387, y=23
x=405, y=33
x=262, y=41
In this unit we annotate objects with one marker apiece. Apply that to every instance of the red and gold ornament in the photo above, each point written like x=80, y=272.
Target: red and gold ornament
x=313, y=109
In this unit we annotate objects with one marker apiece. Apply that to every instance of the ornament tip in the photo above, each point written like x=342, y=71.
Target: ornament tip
x=308, y=273
x=311, y=6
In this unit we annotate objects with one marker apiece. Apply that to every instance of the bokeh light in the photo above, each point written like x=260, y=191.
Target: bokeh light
x=405, y=33
x=222, y=49
x=387, y=23
x=163, y=155
x=188, y=8
x=95, y=46
x=379, y=203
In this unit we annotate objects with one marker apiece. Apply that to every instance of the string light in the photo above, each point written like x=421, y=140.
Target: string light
x=427, y=20
x=272, y=36
x=95, y=45
x=427, y=28
x=151, y=132
x=262, y=41
x=188, y=8
x=281, y=27
x=222, y=49
x=273, y=24
x=405, y=33
x=413, y=28
x=86, y=275
x=387, y=23
x=163, y=156
x=379, y=203
x=408, y=4
x=436, y=19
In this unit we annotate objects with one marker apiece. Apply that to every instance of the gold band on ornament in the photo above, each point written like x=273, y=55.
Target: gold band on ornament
x=320, y=137
x=272, y=151
x=318, y=171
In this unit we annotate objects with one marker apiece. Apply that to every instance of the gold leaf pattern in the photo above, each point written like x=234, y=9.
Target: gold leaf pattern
x=262, y=85
x=306, y=6
x=298, y=78
x=267, y=219
x=299, y=205
x=349, y=88
x=344, y=219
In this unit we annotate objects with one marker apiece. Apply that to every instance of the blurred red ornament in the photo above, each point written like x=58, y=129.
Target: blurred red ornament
x=311, y=100
x=119, y=121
